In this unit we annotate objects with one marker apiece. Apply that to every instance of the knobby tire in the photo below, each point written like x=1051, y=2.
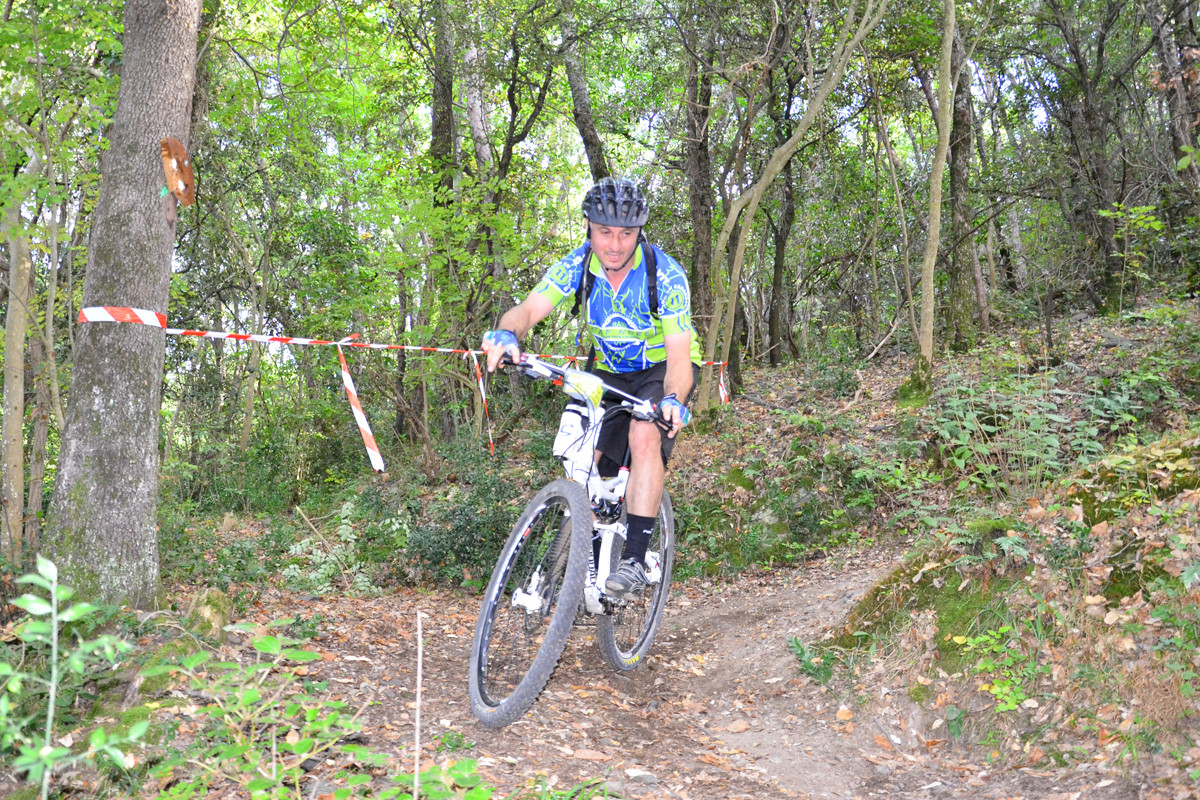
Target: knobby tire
x=626, y=635
x=516, y=648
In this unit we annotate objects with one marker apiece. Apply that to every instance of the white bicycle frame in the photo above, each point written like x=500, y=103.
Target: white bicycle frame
x=590, y=389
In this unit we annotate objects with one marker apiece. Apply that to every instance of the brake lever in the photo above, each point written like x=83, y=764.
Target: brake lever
x=532, y=367
x=646, y=410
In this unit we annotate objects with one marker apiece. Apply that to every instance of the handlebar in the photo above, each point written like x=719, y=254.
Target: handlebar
x=584, y=386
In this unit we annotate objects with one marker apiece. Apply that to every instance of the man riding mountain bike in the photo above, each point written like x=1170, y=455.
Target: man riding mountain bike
x=637, y=308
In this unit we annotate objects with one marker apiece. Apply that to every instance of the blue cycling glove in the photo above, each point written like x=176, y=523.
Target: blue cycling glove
x=671, y=401
x=505, y=339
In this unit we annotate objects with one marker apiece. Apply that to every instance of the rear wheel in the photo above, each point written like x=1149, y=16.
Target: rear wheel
x=530, y=603
x=625, y=635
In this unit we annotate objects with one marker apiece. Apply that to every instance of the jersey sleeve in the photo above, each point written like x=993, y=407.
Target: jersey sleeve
x=674, y=298
x=562, y=278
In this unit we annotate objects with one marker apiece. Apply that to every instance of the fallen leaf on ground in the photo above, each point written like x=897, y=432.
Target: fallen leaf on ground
x=714, y=760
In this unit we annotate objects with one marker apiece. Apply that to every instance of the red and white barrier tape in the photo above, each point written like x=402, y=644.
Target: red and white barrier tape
x=118, y=314
x=141, y=316
x=360, y=417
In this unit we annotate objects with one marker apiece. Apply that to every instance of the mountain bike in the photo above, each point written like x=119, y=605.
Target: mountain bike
x=553, y=566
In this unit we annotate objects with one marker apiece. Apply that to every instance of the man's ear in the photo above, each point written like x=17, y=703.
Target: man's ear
x=587, y=229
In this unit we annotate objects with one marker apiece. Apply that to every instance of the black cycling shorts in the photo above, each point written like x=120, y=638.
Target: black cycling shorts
x=645, y=384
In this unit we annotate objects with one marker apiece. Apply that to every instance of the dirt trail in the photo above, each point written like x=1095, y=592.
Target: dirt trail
x=717, y=712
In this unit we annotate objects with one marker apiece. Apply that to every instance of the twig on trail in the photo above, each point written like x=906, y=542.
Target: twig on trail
x=858, y=394
x=345, y=576
x=884, y=340
x=763, y=403
x=304, y=517
x=417, y=746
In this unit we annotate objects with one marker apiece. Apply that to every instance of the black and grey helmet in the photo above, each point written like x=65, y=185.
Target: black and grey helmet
x=617, y=202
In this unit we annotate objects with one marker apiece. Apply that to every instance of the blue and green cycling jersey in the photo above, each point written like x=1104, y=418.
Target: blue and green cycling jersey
x=626, y=335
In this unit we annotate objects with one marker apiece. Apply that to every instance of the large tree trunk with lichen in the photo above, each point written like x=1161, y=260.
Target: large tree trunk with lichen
x=102, y=528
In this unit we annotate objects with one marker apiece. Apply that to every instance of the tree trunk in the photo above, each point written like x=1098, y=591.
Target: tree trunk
x=402, y=420
x=41, y=361
x=12, y=431
x=581, y=101
x=1091, y=125
x=485, y=170
x=779, y=291
x=441, y=145
x=102, y=529
x=923, y=368
x=477, y=113
x=892, y=160
x=699, y=173
x=1176, y=82
x=962, y=328
x=780, y=296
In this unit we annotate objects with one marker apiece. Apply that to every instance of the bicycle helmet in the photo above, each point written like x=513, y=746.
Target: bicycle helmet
x=617, y=202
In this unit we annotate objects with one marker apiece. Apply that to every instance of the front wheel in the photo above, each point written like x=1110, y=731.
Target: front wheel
x=625, y=635
x=530, y=603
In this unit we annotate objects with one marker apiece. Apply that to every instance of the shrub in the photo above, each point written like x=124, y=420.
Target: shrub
x=461, y=531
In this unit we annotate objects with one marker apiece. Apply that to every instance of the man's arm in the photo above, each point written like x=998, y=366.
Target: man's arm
x=678, y=380
x=520, y=319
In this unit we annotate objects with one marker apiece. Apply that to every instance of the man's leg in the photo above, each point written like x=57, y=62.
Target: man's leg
x=649, y=449
x=643, y=495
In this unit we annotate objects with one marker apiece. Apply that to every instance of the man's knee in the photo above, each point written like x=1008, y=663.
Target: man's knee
x=644, y=438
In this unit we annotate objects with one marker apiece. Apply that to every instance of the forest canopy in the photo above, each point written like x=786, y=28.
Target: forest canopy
x=406, y=171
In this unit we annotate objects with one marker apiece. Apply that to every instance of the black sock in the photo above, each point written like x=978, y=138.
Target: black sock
x=637, y=538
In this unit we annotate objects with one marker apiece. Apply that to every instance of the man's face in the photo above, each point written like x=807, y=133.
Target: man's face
x=613, y=245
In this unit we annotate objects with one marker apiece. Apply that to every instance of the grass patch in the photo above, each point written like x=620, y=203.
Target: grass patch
x=886, y=610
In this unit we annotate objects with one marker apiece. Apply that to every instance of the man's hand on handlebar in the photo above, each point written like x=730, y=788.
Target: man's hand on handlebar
x=675, y=413
x=500, y=343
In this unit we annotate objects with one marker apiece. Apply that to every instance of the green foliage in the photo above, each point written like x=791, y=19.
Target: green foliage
x=457, y=781
x=321, y=564
x=991, y=540
x=40, y=680
x=463, y=528
x=385, y=526
x=1013, y=672
x=1138, y=228
x=838, y=381
x=260, y=724
x=810, y=498
x=1180, y=615
x=452, y=742
x=815, y=665
x=1006, y=439
x=202, y=552
x=916, y=391
x=1139, y=475
x=954, y=721
x=1011, y=433
x=928, y=581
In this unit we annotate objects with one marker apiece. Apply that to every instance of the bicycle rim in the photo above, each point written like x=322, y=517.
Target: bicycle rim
x=530, y=603
x=626, y=635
